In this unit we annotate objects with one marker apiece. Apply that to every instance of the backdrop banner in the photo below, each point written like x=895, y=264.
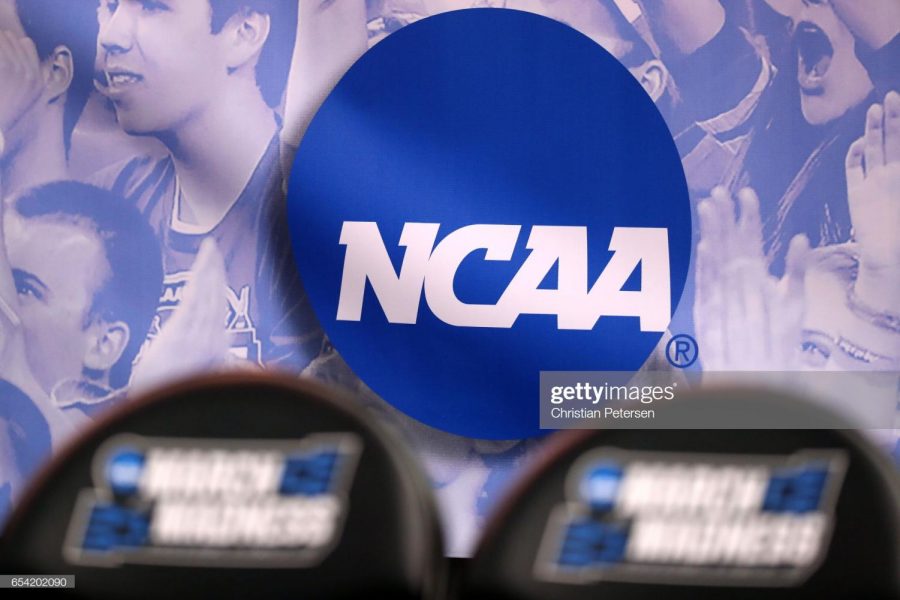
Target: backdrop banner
x=470, y=216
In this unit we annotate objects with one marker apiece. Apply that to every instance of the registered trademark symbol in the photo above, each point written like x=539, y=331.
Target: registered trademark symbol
x=682, y=351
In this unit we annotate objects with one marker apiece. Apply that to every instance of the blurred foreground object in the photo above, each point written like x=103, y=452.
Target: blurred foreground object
x=233, y=486
x=699, y=514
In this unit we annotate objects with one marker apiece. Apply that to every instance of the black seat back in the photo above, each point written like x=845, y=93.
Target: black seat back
x=697, y=514
x=233, y=487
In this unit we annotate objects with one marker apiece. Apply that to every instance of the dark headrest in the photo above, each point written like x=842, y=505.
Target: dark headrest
x=234, y=486
x=696, y=514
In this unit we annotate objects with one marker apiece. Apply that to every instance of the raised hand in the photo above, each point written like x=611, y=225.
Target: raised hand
x=194, y=339
x=746, y=320
x=873, y=186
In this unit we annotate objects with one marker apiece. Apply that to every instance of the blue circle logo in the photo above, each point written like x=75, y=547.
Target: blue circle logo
x=487, y=194
x=123, y=471
x=600, y=486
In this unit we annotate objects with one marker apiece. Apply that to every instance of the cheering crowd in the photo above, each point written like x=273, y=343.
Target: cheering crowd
x=143, y=146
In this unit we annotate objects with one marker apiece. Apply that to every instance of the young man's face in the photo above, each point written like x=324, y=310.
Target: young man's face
x=57, y=267
x=832, y=79
x=162, y=63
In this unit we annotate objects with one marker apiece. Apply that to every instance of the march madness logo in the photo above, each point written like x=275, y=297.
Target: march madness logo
x=692, y=518
x=218, y=503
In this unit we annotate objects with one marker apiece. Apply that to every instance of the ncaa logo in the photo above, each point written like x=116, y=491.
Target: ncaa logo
x=575, y=307
x=487, y=194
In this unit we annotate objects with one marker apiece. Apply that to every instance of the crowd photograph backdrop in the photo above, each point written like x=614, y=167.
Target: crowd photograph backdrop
x=175, y=175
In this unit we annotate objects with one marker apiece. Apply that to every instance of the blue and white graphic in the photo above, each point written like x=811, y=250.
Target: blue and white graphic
x=218, y=503
x=797, y=490
x=588, y=542
x=124, y=470
x=115, y=529
x=693, y=518
x=600, y=486
x=770, y=94
x=466, y=213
